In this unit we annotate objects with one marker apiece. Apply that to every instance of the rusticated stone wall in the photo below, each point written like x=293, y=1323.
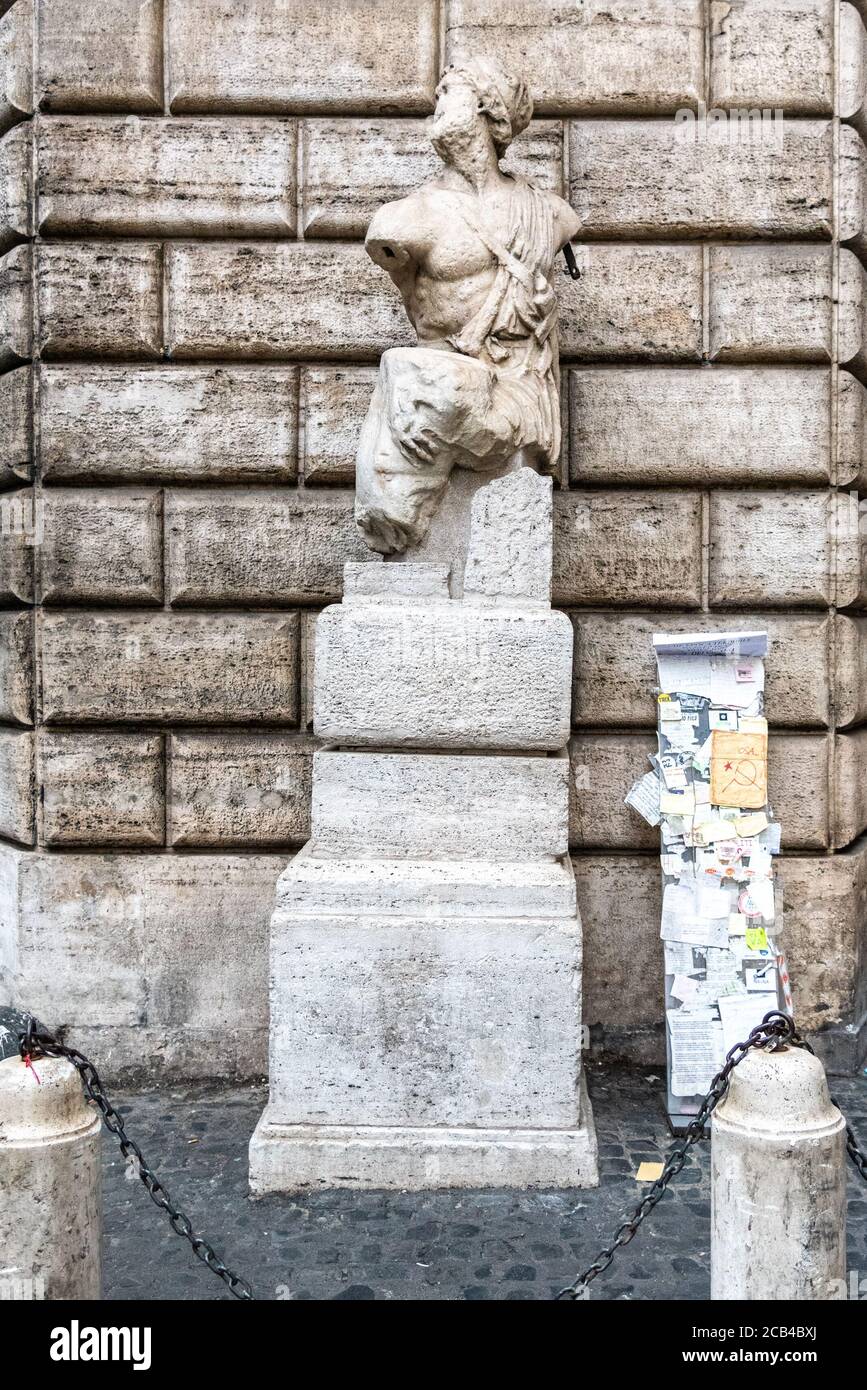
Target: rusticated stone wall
x=189, y=328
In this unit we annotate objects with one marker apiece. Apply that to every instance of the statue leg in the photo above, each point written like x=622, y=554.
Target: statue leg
x=431, y=411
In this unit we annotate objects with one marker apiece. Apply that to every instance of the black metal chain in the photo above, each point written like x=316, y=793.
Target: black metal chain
x=35, y=1041
x=775, y=1030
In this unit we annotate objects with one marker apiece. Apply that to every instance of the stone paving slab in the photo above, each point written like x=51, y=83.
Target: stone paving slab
x=468, y=1245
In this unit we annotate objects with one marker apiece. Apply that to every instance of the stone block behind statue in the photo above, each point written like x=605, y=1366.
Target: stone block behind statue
x=426, y=943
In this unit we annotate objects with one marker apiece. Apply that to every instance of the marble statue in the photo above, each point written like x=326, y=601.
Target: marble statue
x=472, y=253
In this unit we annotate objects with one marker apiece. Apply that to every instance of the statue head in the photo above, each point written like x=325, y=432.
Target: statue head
x=475, y=94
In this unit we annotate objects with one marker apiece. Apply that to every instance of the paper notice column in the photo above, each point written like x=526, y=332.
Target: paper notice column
x=723, y=971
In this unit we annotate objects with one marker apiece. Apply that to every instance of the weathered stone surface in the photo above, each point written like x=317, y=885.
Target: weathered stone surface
x=853, y=190
x=461, y=889
x=102, y=546
x=16, y=322
x=168, y=423
x=390, y=805
x=771, y=303
x=16, y=64
x=633, y=302
x=429, y=1033
x=107, y=176
x=239, y=789
x=852, y=79
x=100, y=299
x=851, y=431
x=641, y=58
x=850, y=787
x=373, y=580
x=648, y=179
x=852, y=314
x=620, y=899
x=223, y=668
x=627, y=548
x=155, y=963
x=824, y=900
x=334, y=402
x=16, y=159
x=287, y=55
x=850, y=671
x=100, y=55
x=19, y=531
x=16, y=668
x=776, y=549
x=444, y=675
x=773, y=53
x=269, y=548
x=509, y=554
x=615, y=671
x=350, y=167
x=259, y=300
x=102, y=788
x=16, y=426
x=605, y=764
x=16, y=786
x=681, y=425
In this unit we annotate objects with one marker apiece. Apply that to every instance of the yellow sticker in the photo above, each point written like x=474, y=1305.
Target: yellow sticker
x=649, y=1172
x=757, y=939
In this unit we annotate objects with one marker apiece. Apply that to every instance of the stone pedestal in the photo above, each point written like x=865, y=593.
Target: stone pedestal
x=426, y=943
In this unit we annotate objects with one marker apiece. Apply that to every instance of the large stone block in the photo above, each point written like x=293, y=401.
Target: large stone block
x=167, y=423
x=615, y=670
x=773, y=53
x=850, y=787
x=269, y=548
x=16, y=64
x=633, y=302
x=825, y=900
x=16, y=668
x=852, y=78
x=429, y=1033
x=287, y=55
x=100, y=55
x=19, y=531
x=102, y=546
x=107, y=176
x=850, y=671
x=16, y=786
x=509, y=550
x=100, y=299
x=632, y=56
x=852, y=197
x=392, y=804
x=627, y=548
x=239, y=789
x=351, y=167
x=620, y=899
x=771, y=303
x=16, y=161
x=798, y=788
x=16, y=426
x=777, y=549
x=654, y=179
x=16, y=313
x=138, y=667
x=103, y=788
x=260, y=300
x=852, y=314
x=334, y=402
x=154, y=964
x=641, y=425
x=442, y=675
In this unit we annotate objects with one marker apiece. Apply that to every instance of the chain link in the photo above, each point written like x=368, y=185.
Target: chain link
x=775, y=1030
x=35, y=1041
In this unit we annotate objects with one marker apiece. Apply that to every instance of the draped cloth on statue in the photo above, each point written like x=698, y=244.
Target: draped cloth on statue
x=495, y=394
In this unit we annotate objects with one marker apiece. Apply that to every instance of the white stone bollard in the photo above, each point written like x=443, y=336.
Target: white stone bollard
x=50, y=1184
x=778, y=1182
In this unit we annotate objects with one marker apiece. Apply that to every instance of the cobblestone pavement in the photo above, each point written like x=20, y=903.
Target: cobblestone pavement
x=487, y=1245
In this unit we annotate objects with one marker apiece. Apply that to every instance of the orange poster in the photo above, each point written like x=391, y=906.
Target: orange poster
x=738, y=769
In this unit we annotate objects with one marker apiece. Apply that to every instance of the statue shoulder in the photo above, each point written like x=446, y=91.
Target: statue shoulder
x=567, y=223
x=399, y=230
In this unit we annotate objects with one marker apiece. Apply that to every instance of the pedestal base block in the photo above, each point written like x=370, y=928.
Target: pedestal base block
x=298, y=1158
